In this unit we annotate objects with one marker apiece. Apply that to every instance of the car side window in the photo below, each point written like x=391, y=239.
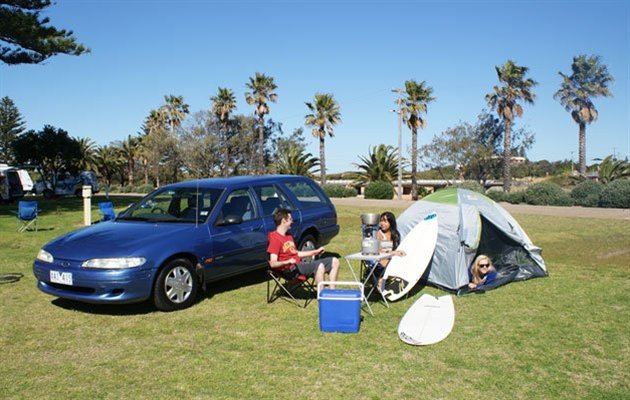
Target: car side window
x=271, y=198
x=238, y=204
x=306, y=193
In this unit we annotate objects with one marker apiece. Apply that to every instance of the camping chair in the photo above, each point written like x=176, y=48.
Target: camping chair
x=107, y=210
x=26, y=215
x=290, y=286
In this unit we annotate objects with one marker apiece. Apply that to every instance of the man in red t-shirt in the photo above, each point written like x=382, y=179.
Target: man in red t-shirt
x=284, y=256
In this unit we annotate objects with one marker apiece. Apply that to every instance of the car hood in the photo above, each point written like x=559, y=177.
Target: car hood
x=118, y=239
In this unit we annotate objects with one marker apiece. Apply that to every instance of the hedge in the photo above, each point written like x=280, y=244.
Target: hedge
x=547, y=194
x=616, y=194
x=337, y=190
x=587, y=193
x=379, y=190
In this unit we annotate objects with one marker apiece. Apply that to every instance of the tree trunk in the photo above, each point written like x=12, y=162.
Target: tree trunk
x=507, y=151
x=322, y=157
x=226, y=161
x=130, y=172
x=582, y=149
x=414, y=163
x=145, y=167
x=261, y=145
x=157, y=175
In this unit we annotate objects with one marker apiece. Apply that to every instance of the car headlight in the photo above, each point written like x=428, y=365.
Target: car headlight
x=45, y=256
x=114, y=263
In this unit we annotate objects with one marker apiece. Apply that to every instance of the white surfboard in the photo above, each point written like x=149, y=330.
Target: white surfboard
x=402, y=273
x=428, y=321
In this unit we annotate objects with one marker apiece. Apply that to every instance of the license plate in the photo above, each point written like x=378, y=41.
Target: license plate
x=65, y=278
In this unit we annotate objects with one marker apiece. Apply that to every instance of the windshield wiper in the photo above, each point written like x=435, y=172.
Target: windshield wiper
x=130, y=218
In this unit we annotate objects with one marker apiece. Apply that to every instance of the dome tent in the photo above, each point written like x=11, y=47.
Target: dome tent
x=471, y=224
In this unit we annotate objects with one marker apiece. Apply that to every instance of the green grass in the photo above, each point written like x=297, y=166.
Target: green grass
x=565, y=336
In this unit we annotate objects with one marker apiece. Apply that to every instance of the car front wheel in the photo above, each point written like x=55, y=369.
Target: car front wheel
x=308, y=243
x=176, y=286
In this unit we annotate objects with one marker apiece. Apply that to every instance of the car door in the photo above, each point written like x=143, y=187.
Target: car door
x=239, y=236
x=270, y=197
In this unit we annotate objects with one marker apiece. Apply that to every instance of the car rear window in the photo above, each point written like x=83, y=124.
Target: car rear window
x=271, y=198
x=307, y=194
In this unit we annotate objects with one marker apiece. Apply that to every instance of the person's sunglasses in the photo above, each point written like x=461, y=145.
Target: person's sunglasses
x=484, y=265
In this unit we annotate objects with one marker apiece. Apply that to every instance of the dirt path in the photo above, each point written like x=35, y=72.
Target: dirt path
x=583, y=212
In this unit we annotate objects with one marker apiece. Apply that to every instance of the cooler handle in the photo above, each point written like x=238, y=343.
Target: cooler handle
x=340, y=283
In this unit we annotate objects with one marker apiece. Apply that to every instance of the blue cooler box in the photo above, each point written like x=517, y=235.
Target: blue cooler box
x=340, y=310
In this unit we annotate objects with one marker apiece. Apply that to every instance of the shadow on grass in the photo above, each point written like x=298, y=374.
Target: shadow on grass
x=146, y=307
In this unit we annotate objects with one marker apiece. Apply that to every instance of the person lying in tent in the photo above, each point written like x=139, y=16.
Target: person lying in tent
x=482, y=272
x=284, y=256
x=389, y=237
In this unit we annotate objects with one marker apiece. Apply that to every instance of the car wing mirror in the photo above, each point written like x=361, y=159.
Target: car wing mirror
x=230, y=220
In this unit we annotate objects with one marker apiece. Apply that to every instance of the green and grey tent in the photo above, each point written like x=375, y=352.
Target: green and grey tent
x=471, y=224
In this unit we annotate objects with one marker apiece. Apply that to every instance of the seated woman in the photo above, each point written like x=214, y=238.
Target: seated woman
x=390, y=239
x=482, y=272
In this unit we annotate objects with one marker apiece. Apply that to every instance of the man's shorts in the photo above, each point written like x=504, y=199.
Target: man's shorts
x=309, y=268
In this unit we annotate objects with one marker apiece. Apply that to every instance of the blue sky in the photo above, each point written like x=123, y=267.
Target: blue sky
x=357, y=50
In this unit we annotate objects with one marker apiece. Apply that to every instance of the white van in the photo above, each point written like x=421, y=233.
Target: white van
x=10, y=185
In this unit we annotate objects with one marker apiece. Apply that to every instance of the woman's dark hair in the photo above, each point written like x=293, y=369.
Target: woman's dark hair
x=393, y=228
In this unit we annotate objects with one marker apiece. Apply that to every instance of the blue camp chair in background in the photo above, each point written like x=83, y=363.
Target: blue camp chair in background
x=106, y=209
x=27, y=215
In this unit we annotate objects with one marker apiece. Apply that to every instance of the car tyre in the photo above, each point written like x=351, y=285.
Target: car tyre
x=308, y=243
x=176, y=286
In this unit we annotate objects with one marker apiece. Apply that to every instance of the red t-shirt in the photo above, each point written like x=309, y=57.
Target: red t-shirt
x=283, y=246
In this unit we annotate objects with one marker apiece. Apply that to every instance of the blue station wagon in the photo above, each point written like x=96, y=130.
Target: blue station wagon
x=181, y=235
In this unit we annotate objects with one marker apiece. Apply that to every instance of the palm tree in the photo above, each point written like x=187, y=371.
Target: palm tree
x=87, y=148
x=380, y=165
x=295, y=161
x=108, y=161
x=175, y=110
x=155, y=139
x=222, y=106
x=505, y=100
x=588, y=79
x=418, y=96
x=129, y=150
x=325, y=114
x=262, y=91
x=611, y=169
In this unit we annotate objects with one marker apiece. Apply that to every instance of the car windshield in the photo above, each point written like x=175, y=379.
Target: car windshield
x=174, y=205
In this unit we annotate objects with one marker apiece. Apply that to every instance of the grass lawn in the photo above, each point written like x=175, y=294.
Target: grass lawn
x=565, y=336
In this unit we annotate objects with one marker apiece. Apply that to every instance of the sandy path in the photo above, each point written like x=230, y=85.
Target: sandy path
x=584, y=212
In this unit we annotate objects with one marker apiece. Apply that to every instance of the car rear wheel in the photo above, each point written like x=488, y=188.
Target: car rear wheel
x=176, y=286
x=308, y=243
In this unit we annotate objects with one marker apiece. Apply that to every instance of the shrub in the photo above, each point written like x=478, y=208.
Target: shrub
x=148, y=188
x=471, y=185
x=336, y=190
x=587, y=193
x=422, y=192
x=379, y=190
x=516, y=197
x=115, y=189
x=616, y=194
x=547, y=194
x=497, y=195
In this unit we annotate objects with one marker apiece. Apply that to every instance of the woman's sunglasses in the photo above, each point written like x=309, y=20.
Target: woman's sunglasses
x=484, y=265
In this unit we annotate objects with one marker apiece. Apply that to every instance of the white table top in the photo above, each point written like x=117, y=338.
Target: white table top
x=368, y=257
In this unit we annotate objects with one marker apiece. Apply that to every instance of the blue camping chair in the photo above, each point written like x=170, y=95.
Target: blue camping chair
x=107, y=211
x=27, y=215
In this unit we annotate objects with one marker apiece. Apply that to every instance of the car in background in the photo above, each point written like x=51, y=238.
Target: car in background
x=181, y=236
x=67, y=184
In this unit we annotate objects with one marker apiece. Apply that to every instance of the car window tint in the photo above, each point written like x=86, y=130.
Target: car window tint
x=271, y=198
x=306, y=193
x=238, y=204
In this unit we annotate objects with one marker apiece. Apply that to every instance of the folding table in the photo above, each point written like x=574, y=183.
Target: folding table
x=369, y=277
